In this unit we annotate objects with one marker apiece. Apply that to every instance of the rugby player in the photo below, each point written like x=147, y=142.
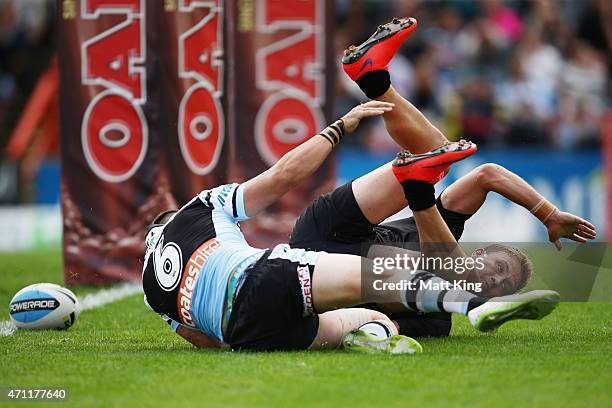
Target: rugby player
x=213, y=288
x=350, y=219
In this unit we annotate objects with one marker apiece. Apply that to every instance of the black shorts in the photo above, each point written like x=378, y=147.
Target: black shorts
x=273, y=307
x=334, y=223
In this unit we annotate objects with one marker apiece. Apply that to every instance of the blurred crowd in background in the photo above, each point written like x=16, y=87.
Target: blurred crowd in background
x=515, y=72
x=27, y=43
x=533, y=72
x=497, y=72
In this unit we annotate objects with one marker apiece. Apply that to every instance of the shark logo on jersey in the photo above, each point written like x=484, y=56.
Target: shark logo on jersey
x=224, y=193
x=152, y=238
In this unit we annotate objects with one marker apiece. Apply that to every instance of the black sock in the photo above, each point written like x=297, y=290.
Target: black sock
x=419, y=194
x=374, y=83
x=475, y=302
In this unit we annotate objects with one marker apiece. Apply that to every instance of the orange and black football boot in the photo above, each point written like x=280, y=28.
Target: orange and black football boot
x=376, y=52
x=430, y=167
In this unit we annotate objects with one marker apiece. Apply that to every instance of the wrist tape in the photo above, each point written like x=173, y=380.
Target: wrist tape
x=334, y=132
x=543, y=210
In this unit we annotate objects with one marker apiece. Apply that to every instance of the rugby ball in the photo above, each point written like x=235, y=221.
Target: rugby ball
x=44, y=306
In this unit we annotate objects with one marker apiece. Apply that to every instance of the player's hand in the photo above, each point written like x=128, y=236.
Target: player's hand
x=372, y=108
x=566, y=225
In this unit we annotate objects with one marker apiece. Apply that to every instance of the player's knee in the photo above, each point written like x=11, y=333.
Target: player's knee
x=335, y=324
x=376, y=315
x=485, y=173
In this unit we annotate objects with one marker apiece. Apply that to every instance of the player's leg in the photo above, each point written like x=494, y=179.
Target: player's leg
x=367, y=65
x=344, y=287
x=434, y=233
x=361, y=330
x=389, y=198
x=344, y=280
x=337, y=281
x=378, y=193
x=335, y=324
x=408, y=126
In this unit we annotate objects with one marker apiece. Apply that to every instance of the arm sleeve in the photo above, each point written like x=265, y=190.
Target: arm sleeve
x=173, y=323
x=229, y=198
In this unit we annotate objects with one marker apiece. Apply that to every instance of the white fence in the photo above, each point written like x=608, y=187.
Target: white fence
x=30, y=227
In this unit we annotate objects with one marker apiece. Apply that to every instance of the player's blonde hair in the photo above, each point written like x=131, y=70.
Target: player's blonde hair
x=524, y=261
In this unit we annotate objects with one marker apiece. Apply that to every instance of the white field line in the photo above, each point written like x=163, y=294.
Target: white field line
x=90, y=301
x=7, y=328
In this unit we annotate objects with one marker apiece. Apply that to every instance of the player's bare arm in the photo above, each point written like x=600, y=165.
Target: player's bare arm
x=406, y=125
x=413, y=132
x=268, y=299
x=466, y=196
x=410, y=129
x=469, y=193
x=291, y=170
x=339, y=279
x=301, y=162
x=199, y=339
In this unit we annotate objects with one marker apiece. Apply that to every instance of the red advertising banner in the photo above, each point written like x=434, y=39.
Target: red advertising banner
x=160, y=100
x=281, y=97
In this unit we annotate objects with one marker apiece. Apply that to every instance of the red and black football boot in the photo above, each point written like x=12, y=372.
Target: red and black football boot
x=431, y=166
x=376, y=52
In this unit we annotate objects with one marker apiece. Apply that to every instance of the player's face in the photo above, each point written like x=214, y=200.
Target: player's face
x=501, y=274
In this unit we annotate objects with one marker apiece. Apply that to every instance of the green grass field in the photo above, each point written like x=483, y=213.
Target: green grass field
x=124, y=355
